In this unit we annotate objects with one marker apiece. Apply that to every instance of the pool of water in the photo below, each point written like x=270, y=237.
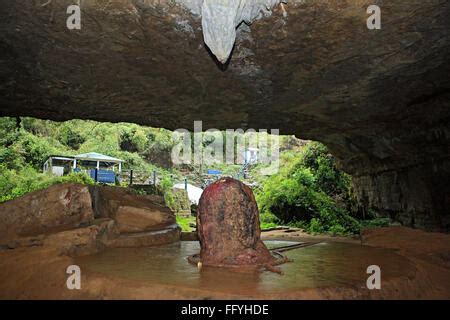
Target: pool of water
x=327, y=264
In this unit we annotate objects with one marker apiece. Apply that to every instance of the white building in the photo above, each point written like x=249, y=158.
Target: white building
x=62, y=165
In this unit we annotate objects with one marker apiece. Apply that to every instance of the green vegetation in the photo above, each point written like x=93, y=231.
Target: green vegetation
x=184, y=223
x=268, y=220
x=375, y=223
x=14, y=183
x=309, y=192
x=26, y=144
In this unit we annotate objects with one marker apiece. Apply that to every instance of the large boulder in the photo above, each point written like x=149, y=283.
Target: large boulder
x=228, y=226
x=136, y=219
x=132, y=213
x=57, y=208
x=115, y=212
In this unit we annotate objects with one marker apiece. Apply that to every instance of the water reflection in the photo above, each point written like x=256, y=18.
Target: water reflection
x=325, y=264
x=230, y=280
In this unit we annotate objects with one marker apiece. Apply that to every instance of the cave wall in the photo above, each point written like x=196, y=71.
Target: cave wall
x=379, y=99
x=417, y=196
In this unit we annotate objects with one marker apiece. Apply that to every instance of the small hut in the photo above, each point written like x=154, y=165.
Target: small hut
x=100, y=167
x=93, y=160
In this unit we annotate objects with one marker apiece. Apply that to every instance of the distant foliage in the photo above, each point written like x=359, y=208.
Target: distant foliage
x=159, y=148
x=181, y=201
x=329, y=179
x=15, y=184
x=36, y=150
x=8, y=131
x=133, y=140
x=268, y=220
x=166, y=187
x=305, y=190
x=71, y=138
x=26, y=144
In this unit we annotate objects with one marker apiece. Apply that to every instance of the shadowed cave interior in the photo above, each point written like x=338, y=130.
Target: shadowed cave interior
x=378, y=99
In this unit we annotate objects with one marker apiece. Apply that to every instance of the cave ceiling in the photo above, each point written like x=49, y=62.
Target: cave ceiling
x=312, y=69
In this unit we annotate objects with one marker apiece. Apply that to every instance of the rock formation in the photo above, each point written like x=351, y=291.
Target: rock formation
x=228, y=226
x=60, y=207
x=132, y=213
x=377, y=98
x=221, y=18
x=112, y=216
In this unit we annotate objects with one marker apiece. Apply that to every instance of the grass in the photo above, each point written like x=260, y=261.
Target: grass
x=267, y=225
x=268, y=220
x=374, y=223
x=184, y=222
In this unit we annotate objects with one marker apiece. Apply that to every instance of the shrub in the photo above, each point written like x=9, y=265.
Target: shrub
x=71, y=138
x=184, y=223
x=14, y=184
x=329, y=178
x=268, y=220
x=133, y=140
x=375, y=223
x=180, y=200
x=303, y=193
x=166, y=186
x=315, y=226
x=36, y=150
x=11, y=157
x=8, y=131
x=159, y=148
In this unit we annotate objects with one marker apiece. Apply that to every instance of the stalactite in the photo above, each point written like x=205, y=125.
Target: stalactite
x=220, y=18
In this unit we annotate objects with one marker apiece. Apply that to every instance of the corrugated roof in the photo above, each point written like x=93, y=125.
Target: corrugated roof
x=96, y=156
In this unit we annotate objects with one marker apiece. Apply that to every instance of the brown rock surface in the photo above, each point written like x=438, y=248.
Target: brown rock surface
x=132, y=213
x=43, y=214
x=59, y=207
x=429, y=246
x=74, y=242
x=132, y=219
x=162, y=236
x=228, y=226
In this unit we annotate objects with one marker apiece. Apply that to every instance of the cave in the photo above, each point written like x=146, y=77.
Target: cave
x=378, y=98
